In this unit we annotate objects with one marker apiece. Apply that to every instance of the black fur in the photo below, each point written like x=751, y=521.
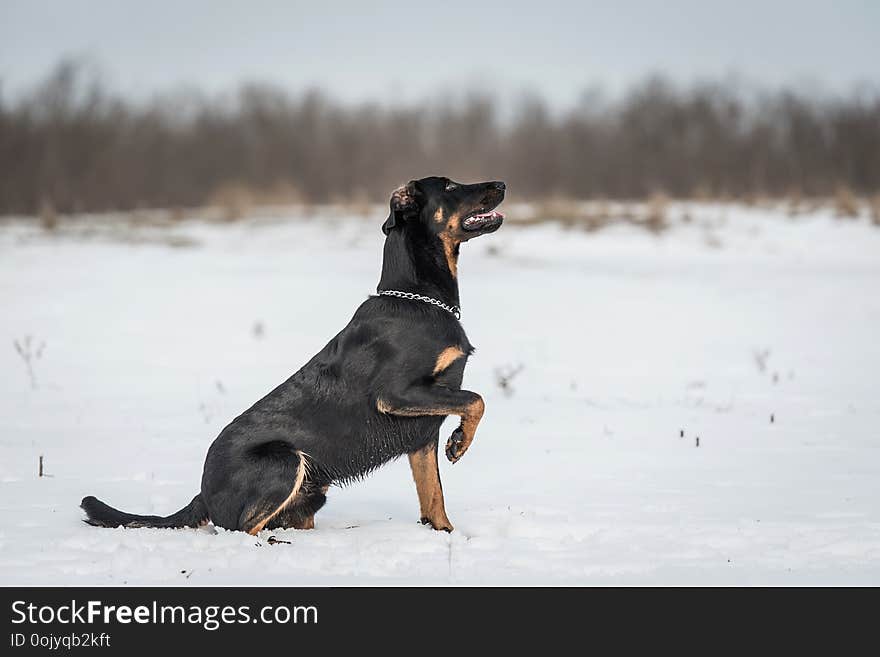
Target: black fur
x=325, y=421
x=100, y=515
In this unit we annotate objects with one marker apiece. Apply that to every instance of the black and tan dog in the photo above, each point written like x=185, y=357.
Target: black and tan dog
x=380, y=389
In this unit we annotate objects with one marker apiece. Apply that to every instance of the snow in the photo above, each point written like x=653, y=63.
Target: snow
x=155, y=337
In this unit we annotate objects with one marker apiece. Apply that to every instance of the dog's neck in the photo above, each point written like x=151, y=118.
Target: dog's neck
x=415, y=263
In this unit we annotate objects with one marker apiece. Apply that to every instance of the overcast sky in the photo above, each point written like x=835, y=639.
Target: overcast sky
x=391, y=50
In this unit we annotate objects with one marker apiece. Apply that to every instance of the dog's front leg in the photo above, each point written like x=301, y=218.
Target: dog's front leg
x=439, y=400
x=426, y=474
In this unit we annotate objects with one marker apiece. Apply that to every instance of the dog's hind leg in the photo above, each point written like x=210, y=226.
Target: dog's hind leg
x=300, y=514
x=274, y=490
x=426, y=474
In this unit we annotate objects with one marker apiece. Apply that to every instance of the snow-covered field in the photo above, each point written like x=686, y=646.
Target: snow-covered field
x=755, y=332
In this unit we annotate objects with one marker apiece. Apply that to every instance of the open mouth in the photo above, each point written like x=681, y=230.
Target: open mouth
x=483, y=221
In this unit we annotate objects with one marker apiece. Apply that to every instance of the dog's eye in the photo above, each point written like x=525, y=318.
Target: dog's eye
x=450, y=186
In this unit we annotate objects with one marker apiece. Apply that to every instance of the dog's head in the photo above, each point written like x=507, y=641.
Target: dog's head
x=446, y=210
x=435, y=215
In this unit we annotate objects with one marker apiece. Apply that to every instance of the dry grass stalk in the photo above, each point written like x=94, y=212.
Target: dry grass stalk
x=656, y=208
x=846, y=205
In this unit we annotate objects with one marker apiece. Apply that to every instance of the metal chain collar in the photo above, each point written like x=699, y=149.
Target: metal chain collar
x=454, y=310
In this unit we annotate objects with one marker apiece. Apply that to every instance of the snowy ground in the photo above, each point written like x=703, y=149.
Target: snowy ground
x=155, y=338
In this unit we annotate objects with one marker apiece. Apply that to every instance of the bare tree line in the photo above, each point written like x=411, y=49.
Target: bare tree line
x=72, y=145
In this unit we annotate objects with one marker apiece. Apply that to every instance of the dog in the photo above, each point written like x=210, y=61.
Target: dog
x=380, y=389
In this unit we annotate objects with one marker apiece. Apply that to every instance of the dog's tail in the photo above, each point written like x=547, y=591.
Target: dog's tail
x=99, y=514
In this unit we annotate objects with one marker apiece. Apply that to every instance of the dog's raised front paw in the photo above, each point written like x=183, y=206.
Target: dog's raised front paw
x=456, y=446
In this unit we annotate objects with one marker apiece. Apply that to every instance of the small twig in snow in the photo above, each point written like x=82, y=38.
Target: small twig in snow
x=504, y=377
x=41, y=472
x=29, y=353
x=761, y=359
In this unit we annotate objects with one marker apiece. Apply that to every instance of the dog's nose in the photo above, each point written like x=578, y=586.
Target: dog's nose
x=499, y=185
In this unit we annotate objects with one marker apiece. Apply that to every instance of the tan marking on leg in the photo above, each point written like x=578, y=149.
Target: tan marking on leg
x=307, y=523
x=438, y=216
x=469, y=421
x=426, y=474
x=297, y=484
x=446, y=358
x=472, y=417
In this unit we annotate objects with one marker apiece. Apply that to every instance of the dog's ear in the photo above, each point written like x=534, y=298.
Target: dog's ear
x=403, y=205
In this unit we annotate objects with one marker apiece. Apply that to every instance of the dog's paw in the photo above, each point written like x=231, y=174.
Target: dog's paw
x=438, y=525
x=456, y=446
